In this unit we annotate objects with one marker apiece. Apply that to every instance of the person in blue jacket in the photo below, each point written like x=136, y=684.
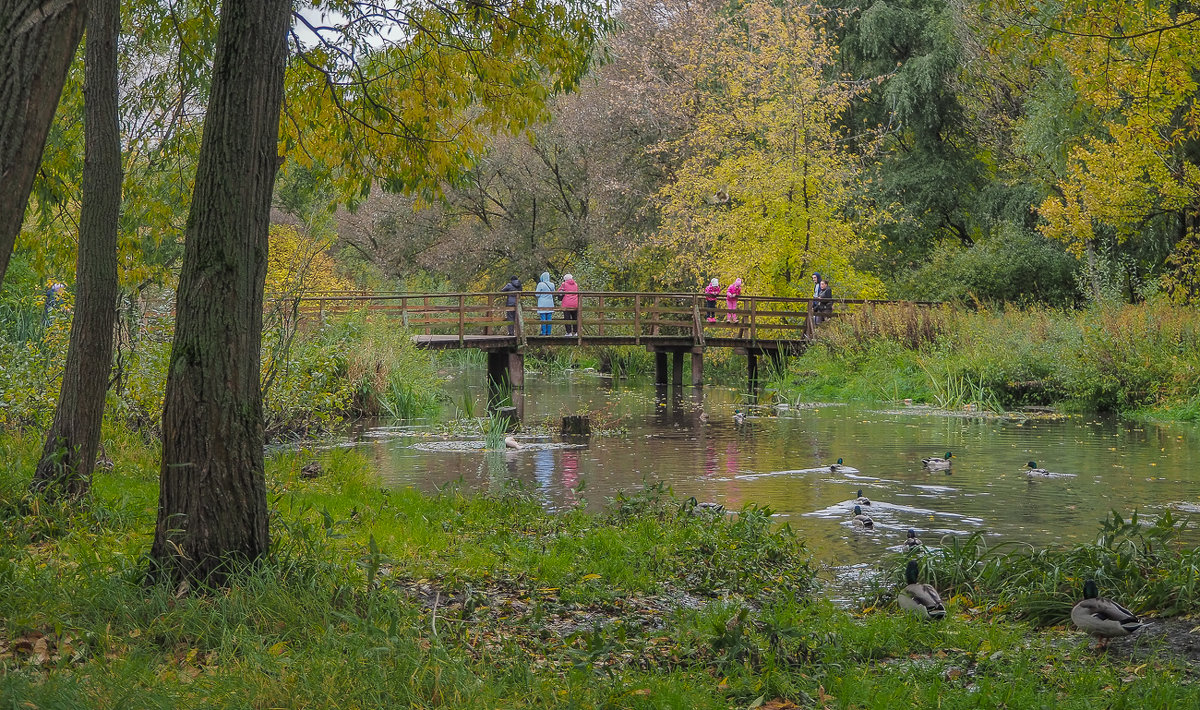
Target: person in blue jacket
x=545, y=301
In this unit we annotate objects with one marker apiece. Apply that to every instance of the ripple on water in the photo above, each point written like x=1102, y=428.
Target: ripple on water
x=463, y=445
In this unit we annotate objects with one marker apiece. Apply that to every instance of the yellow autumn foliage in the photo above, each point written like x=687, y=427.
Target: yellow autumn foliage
x=298, y=265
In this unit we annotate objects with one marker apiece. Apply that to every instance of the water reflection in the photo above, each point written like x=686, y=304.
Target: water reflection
x=688, y=439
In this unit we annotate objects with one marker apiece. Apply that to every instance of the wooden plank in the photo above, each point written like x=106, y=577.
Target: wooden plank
x=461, y=313
x=753, y=320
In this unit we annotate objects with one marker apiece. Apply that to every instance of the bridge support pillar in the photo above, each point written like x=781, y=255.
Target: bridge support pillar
x=752, y=370
x=677, y=369
x=505, y=368
x=660, y=368
x=697, y=369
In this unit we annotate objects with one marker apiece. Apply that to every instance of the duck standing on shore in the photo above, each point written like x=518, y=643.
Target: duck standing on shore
x=1103, y=618
x=919, y=598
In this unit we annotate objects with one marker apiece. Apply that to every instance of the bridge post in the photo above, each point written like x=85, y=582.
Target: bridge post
x=660, y=368
x=516, y=368
x=697, y=368
x=752, y=369
x=677, y=369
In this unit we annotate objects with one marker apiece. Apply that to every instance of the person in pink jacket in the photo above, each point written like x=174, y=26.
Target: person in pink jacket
x=570, y=303
x=731, y=299
x=711, y=291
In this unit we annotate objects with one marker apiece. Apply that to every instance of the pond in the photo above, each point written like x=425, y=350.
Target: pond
x=780, y=458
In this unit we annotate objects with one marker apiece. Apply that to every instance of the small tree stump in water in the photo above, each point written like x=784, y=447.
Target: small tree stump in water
x=510, y=418
x=576, y=426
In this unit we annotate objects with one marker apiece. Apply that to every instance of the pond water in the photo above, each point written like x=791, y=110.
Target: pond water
x=780, y=458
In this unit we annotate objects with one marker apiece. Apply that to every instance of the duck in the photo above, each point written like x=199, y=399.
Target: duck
x=738, y=417
x=937, y=463
x=1103, y=618
x=836, y=466
x=511, y=443
x=1034, y=471
x=912, y=540
x=312, y=469
x=862, y=499
x=921, y=599
x=700, y=508
x=863, y=520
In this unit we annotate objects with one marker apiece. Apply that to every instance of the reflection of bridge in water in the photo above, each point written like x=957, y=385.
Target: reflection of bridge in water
x=666, y=324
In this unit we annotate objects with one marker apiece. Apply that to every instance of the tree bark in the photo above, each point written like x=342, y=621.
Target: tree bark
x=70, y=451
x=212, y=511
x=37, y=43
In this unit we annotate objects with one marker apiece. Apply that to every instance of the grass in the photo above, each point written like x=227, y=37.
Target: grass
x=376, y=598
x=1139, y=359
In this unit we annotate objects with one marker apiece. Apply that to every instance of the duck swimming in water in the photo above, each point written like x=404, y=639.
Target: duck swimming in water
x=862, y=499
x=836, y=466
x=863, y=520
x=1034, y=472
x=912, y=540
x=937, y=463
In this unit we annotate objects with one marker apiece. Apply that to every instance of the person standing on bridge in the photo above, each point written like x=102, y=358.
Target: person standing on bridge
x=545, y=301
x=711, y=291
x=825, y=305
x=512, y=287
x=731, y=300
x=570, y=303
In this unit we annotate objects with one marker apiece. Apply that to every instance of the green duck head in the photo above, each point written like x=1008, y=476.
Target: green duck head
x=910, y=572
x=858, y=510
x=1032, y=464
x=860, y=493
x=912, y=534
x=1090, y=590
x=839, y=463
x=949, y=455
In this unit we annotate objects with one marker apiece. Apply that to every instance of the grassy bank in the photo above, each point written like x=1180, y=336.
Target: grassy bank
x=396, y=599
x=1141, y=359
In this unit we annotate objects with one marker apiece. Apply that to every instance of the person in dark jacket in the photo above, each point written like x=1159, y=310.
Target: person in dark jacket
x=824, y=306
x=513, y=287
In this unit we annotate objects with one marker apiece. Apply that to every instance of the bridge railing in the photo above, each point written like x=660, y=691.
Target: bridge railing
x=615, y=316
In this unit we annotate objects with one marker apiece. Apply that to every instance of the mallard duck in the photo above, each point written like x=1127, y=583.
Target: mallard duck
x=312, y=469
x=738, y=417
x=1103, y=618
x=862, y=499
x=835, y=467
x=935, y=463
x=921, y=599
x=863, y=520
x=912, y=540
x=698, y=508
x=1034, y=471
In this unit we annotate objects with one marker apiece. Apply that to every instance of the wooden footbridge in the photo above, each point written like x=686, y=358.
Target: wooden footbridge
x=666, y=324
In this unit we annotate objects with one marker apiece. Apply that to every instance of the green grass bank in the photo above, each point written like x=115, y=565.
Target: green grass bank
x=376, y=598
x=1141, y=359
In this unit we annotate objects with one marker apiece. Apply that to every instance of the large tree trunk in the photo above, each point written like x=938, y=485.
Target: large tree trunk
x=212, y=509
x=70, y=451
x=37, y=42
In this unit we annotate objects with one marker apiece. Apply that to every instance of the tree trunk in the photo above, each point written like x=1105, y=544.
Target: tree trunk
x=212, y=510
x=37, y=42
x=70, y=451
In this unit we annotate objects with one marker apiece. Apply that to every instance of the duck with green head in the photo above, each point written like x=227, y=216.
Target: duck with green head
x=937, y=463
x=912, y=540
x=1033, y=471
x=836, y=467
x=1103, y=618
x=862, y=499
x=863, y=519
x=919, y=598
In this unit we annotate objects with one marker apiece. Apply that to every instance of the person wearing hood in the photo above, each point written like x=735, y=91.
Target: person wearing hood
x=570, y=303
x=513, y=288
x=711, y=291
x=731, y=299
x=545, y=301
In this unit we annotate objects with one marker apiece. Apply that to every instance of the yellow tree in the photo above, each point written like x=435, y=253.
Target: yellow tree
x=764, y=181
x=1134, y=65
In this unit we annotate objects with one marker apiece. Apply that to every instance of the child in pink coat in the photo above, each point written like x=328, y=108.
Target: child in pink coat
x=711, y=291
x=731, y=299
